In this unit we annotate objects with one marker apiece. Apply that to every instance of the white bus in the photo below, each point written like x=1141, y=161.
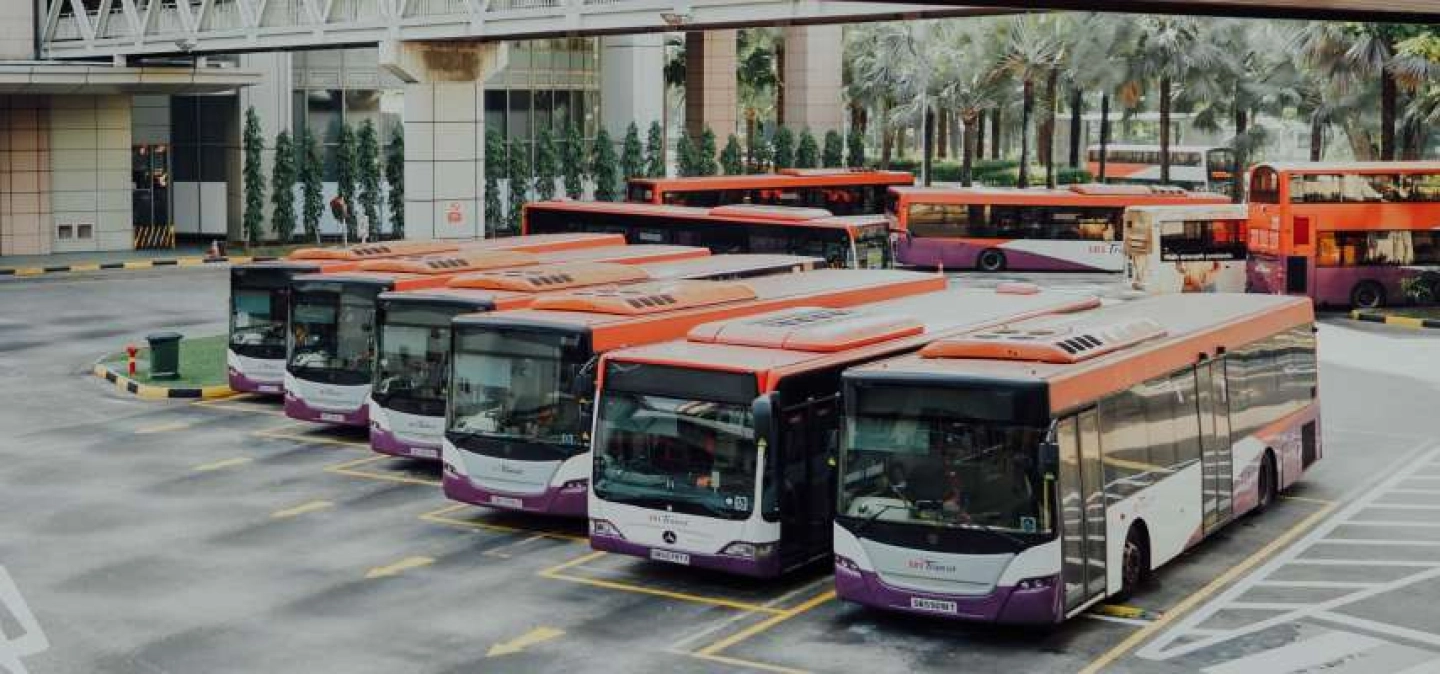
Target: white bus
x=1203, y=168
x=1022, y=474
x=1186, y=249
x=718, y=451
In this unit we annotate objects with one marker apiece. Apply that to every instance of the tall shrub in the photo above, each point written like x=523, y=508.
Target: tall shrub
x=345, y=165
x=367, y=170
x=546, y=158
x=705, y=154
x=573, y=162
x=685, y=156
x=855, y=149
x=519, y=185
x=730, y=160
x=807, y=154
x=496, y=166
x=833, y=156
x=254, y=178
x=395, y=177
x=655, y=151
x=282, y=188
x=312, y=186
x=782, y=153
x=605, y=168
x=632, y=155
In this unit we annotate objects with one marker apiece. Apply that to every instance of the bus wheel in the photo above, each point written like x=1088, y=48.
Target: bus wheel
x=1367, y=295
x=1268, y=481
x=1135, y=565
x=991, y=260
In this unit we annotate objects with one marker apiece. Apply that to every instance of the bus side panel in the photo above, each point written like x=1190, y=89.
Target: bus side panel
x=1287, y=438
x=1172, y=508
x=1333, y=285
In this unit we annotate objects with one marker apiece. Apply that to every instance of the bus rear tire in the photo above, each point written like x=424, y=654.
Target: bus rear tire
x=991, y=260
x=1135, y=564
x=1367, y=295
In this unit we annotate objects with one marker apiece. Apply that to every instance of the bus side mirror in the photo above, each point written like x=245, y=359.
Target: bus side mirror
x=767, y=446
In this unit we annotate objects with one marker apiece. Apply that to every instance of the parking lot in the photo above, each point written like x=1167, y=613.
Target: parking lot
x=220, y=536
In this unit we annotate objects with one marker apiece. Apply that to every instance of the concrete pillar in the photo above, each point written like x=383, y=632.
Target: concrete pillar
x=444, y=133
x=90, y=173
x=632, y=82
x=710, y=96
x=812, y=79
x=25, y=213
x=17, y=31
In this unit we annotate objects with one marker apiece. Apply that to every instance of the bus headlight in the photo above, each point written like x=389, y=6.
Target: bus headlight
x=1043, y=583
x=847, y=565
x=605, y=529
x=575, y=486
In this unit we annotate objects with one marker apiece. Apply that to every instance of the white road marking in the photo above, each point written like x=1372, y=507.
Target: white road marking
x=1319, y=652
x=1164, y=647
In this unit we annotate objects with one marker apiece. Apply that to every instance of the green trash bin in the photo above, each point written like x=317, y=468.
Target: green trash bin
x=164, y=355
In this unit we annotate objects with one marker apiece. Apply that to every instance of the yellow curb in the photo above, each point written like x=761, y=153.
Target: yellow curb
x=29, y=271
x=240, y=259
x=190, y=261
x=138, y=264
x=85, y=267
x=217, y=391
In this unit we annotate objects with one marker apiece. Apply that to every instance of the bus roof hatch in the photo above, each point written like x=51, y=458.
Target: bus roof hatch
x=541, y=278
x=373, y=251
x=1047, y=340
x=809, y=329
x=446, y=264
x=648, y=298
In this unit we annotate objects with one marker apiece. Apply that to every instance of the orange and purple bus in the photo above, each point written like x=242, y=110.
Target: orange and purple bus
x=1024, y=473
x=717, y=451
x=1203, y=168
x=854, y=241
x=412, y=337
x=518, y=434
x=260, y=295
x=840, y=191
x=331, y=351
x=996, y=228
x=1343, y=233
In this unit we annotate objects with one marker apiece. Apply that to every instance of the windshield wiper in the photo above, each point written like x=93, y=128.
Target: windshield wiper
x=1013, y=540
x=865, y=525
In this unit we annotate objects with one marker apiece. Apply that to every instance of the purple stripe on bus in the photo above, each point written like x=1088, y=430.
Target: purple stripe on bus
x=758, y=568
x=1002, y=605
x=385, y=442
x=243, y=384
x=296, y=408
x=959, y=256
x=554, y=501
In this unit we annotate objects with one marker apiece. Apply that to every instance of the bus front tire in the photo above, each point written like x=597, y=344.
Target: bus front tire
x=1268, y=482
x=1135, y=564
x=1367, y=295
x=990, y=260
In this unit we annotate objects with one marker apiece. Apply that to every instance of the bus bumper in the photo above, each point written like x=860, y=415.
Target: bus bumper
x=254, y=375
x=564, y=501
x=757, y=567
x=243, y=384
x=295, y=408
x=1008, y=605
x=394, y=434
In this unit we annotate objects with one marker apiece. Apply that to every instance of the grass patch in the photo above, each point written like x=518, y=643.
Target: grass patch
x=202, y=363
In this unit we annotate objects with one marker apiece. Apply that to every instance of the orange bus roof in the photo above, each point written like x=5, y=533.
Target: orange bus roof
x=778, y=344
x=397, y=275
x=1361, y=167
x=534, y=243
x=1079, y=195
x=785, y=178
x=1133, y=342
x=613, y=327
x=768, y=215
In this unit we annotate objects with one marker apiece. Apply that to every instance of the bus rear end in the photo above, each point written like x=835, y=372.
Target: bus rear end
x=1186, y=249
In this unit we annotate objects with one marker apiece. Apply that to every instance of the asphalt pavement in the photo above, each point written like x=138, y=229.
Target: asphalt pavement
x=219, y=536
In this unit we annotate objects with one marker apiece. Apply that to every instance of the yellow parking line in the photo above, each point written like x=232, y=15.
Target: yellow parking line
x=439, y=517
x=555, y=573
x=224, y=463
x=738, y=662
x=398, y=567
x=163, y=428
x=278, y=434
x=348, y=469
x=301, y=509
x=1306, y=499
x=767, y=624
x=236, y=403
x=1190, y=602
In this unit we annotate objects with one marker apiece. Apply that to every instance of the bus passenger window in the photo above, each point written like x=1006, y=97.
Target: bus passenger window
x=1265, y=186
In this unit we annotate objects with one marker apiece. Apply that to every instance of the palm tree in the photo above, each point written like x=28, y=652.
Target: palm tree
x=969, y=90
x=1359, y=54
x=1096, y=64
x=756, y=79
x=1416, y=68
x=1170, y=50
x=1032, y=50
x=879, y=59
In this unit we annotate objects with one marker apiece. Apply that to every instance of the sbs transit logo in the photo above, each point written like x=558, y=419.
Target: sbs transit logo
x=31, y=639
x=931, y=566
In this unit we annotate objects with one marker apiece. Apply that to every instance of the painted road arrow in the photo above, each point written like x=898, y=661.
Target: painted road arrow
x=526, y=640
x=402, y=565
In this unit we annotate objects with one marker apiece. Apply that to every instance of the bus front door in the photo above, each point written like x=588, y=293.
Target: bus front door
x=807, y=487
x=1215, y=454
x=1082, y=510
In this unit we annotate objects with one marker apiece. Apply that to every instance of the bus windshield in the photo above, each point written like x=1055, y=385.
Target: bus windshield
x=257, y=322
x=692, y=456
x=519, y=385
x=333, y=334
x=872, y=246
x=909, y=458
x=414, y=346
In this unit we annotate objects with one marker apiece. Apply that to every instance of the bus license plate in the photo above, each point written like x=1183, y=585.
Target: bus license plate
x=933, y=605
x=505, y=502
x=268, y=388
x=672, y=557
x=327, y=416
x=425, y=453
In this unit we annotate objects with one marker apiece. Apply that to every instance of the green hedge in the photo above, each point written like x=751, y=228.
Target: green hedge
x=992, y=172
